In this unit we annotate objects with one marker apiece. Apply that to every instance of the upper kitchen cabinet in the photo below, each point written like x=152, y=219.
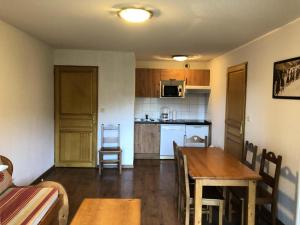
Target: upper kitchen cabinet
x=197, y=77
x=147, y=82
x=172, y=74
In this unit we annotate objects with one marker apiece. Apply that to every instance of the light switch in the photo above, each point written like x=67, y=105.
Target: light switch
x=101, y=109
x=248, y=118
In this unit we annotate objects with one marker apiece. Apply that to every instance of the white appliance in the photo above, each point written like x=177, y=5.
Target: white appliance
x=198, y=130
x=172, y=88
x=165, y=113
x=168, y=134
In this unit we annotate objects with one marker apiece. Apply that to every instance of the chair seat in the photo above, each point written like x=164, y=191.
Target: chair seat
x=110, y=150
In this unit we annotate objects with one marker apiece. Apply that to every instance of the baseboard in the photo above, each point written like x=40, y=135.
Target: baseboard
x=40, y=178
x=146, y=156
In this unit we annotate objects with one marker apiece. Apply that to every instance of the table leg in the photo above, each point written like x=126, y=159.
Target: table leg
x=198, y=202
x=251, y=202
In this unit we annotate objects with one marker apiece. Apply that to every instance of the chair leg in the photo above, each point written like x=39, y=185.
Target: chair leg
x=210, y=216
x=100, y=163
x=187, y=212
x=242, y=211
x=273, y=213
x=221, y=210
x=229, y=207
x=178, y=202
x=120, y=163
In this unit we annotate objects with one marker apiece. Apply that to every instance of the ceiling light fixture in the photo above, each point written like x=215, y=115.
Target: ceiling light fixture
x=135, y=15
x=180, y=58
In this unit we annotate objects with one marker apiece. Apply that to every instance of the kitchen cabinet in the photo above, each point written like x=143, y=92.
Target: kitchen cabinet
x=147, y=82
x=146, y=141
x=197, y=77
x=172, y=74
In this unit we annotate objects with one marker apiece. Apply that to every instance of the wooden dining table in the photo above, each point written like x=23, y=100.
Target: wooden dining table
x=214, y=167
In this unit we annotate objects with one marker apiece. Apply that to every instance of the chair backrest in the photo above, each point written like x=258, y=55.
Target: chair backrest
x=194, y=140
x=110, y=135
x=175, y=150
x=267, y=179
x=183, y=176
x=251, y=150
x=6, y=161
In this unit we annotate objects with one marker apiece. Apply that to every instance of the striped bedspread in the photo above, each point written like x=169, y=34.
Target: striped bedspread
x=26, y=205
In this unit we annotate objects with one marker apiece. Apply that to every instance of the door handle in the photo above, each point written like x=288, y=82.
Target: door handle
x=241, y=129
x=94, y=118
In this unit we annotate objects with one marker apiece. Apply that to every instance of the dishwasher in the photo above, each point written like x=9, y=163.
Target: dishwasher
x=168, y=134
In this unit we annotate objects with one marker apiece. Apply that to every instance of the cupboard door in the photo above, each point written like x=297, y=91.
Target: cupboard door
x=173, y=74
x=147, y=138
x=142, y=83
x=198, y=77
x=155, y=82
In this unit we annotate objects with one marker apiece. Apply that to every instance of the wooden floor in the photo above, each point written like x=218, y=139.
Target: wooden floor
x=151, y=180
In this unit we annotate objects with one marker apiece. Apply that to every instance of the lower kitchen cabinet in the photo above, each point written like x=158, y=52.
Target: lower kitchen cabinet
x=146, y=141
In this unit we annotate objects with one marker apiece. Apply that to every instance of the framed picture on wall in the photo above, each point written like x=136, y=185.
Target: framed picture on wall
x=286, y=79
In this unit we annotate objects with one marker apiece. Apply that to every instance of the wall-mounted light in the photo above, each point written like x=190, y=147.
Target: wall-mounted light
x=180, y=58
x=135, y=15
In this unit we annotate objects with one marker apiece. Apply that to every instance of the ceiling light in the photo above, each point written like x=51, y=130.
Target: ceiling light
x=135, y=15
x=180, y=58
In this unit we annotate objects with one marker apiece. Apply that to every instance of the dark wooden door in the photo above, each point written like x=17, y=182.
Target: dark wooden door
x=76, y=91
x=235, y=110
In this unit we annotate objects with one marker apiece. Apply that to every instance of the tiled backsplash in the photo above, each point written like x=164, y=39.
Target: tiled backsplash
x=193, y=106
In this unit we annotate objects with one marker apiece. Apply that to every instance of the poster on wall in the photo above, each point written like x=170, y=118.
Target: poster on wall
x=286, y=79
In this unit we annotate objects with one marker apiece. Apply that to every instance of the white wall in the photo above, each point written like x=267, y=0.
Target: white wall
x=26, y=104
x=274, y=124
x=116, y=89
x=159, y=64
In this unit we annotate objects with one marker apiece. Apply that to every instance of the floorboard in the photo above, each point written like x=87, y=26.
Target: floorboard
x=153, y=181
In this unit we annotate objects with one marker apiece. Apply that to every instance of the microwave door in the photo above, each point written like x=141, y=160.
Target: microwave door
x=170, y=91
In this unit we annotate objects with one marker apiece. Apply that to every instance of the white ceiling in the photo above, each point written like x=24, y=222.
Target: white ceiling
x=195, y=27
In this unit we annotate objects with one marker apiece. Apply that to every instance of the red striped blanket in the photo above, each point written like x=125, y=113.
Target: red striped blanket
x=26, y=205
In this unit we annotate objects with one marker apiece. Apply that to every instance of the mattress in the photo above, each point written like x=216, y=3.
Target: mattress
x=26, y=205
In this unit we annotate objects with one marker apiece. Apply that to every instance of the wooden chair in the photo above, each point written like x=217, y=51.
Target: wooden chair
x=269, y=182
x=110, y=145
x=187, y=199
x=249, y=150
x=195, y=140
x=175, y=150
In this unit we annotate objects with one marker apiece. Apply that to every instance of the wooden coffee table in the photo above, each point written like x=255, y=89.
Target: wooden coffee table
x=108, y=212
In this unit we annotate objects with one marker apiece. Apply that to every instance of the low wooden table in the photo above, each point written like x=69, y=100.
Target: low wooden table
x=214, y=167
x=108, y=212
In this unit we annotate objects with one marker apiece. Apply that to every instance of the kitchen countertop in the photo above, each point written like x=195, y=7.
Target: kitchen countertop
x=186, y=122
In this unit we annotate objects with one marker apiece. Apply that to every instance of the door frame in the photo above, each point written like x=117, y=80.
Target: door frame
x=56, y=113
x=235, y=68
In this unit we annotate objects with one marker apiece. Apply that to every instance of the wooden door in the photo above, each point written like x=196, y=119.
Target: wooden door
x=172, y=74
x=197, y=77
x=76, y=91
x=235, y=110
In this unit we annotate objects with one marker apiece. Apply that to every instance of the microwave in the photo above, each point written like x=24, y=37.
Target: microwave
x=172, y=88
